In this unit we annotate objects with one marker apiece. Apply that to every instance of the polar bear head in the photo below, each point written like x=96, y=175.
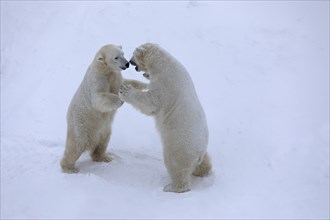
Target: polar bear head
x=112, y=57
x=143, y=56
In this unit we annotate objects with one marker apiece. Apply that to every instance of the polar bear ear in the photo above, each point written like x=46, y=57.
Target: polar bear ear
x=120, y=46
x=100, y=58
x=140, y=49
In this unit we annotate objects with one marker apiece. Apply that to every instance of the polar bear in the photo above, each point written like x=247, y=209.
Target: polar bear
x=93, y=107
x=171, y=98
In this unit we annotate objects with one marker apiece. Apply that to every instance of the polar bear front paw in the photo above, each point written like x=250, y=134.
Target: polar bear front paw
x=177, y=189
x=125, y=92
x=117, y=103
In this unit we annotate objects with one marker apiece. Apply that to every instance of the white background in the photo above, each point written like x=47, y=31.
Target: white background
x=261, y=71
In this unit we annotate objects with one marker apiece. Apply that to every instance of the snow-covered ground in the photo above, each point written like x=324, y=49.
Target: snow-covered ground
x=261, y=70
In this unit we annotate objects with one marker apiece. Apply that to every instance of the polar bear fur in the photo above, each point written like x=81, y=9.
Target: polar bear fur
x=171, y=98
x=93, y=107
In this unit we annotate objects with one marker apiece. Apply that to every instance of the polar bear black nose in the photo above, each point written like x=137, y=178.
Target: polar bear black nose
x=127, y=65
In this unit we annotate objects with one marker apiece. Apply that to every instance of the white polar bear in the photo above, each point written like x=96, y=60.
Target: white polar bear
x=93, y=107
x=171, y=98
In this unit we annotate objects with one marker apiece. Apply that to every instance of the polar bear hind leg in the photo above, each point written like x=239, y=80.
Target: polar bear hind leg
x=71, y=155
x=99, y=153
x=181, y=180
x=204, y=168
x=179, y=168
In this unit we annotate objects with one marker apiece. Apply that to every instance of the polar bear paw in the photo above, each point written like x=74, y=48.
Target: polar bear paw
x=69, y=169
x=117, y=103
x=102, y=158
x=177, y=188
x=125, y=92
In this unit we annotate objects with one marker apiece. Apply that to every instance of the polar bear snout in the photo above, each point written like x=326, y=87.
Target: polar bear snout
x=125, y=66
x=134, y=64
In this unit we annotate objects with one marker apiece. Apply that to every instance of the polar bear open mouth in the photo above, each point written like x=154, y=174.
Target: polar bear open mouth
x=134, y=64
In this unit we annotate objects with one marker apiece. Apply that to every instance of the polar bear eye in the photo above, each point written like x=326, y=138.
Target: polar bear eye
x=116, y=58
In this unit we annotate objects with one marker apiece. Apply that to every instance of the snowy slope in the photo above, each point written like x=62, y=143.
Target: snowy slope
x=261, y=70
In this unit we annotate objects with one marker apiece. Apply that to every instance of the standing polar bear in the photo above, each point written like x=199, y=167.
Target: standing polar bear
x=171, y=98
x=93, y=107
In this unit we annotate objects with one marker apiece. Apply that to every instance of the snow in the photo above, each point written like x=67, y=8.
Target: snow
x=261, y=71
